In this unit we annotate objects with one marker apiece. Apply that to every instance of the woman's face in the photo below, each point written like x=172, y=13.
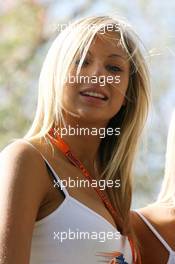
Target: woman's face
x=98, y=92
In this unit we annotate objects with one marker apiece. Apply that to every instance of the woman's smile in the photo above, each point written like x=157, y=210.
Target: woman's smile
x=94, y=95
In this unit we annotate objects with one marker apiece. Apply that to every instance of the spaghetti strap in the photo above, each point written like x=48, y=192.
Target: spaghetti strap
x=155, y=232
x=57, y=181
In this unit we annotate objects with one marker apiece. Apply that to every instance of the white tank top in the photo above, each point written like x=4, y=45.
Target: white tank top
x=171, y=259
x=68, y=220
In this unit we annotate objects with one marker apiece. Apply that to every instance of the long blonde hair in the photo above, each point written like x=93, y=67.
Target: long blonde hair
x=116, y=153
x=167, y=192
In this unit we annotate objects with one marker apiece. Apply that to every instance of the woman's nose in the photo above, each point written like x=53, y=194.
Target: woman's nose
x=97, y=73
x=96, y=69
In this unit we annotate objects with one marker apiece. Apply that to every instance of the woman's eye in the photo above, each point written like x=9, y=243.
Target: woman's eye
x=85, y=62
x=113, y=68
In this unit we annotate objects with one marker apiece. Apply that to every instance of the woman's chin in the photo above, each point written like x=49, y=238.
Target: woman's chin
x=92, y=117
x=88, y=116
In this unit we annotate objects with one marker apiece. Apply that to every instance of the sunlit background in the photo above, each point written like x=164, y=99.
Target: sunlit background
x=27, y=29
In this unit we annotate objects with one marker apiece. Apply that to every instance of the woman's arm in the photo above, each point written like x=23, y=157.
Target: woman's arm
x=22, y=188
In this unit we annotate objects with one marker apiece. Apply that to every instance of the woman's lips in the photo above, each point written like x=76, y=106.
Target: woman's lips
x=93, y=100
x=94, y=90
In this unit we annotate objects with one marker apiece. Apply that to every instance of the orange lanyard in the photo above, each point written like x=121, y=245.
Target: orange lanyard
x=63, y=146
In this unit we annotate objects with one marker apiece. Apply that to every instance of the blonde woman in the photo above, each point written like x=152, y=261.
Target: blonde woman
x=155, y=224
x=41, y=218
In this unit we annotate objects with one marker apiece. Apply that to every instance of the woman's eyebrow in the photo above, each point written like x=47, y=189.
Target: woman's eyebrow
x=116, y=55
x=88, y=53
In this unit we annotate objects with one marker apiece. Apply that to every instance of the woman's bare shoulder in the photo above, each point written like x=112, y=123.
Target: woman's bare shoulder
x=22, y=146
x=23, y=185
x=19, y=156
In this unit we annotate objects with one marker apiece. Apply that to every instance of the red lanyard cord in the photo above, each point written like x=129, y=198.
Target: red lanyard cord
x=63, y=146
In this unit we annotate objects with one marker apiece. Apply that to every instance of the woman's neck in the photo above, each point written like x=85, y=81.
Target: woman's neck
x=83, y=145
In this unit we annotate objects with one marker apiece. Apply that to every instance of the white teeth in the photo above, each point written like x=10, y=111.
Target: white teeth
x=95, y=94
